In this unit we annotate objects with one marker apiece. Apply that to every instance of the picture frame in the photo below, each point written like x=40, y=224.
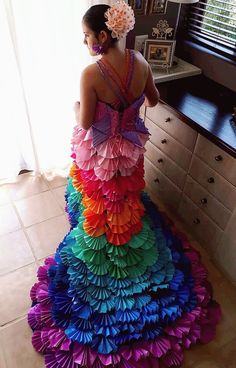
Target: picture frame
x=139, y=6
x=157, y=7
x=139, y=43
x=159, y=52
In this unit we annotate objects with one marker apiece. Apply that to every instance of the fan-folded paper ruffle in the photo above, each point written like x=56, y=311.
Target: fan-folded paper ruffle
x=120, y=153
x=87, y=314
x=124, y=289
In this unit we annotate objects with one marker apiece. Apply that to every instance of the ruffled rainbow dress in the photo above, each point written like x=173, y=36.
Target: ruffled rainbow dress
x=124, y=289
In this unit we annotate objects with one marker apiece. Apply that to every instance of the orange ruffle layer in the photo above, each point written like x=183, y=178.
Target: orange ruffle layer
x=112, y=207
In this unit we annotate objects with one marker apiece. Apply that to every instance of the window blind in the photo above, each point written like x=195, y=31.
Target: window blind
x=214, y=20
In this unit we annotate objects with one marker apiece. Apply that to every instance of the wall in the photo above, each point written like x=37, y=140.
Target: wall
x=214, y=67
x=144, y=24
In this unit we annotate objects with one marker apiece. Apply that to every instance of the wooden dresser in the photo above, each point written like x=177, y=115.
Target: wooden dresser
x=196, y=179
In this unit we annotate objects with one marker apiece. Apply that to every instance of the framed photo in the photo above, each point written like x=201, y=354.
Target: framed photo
x=140, y=43
x=159, y=52
x=139, y=6
x=157, y=6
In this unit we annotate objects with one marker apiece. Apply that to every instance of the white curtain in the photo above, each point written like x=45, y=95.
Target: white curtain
x=42, y=56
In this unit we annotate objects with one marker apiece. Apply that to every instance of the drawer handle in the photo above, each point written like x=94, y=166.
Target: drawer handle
x=167, y=119
x=211, y=180
x=196, y=221
x=219, y=158
x=156, y=180
x=203, y=201
x=160, y=160
x=163, y=141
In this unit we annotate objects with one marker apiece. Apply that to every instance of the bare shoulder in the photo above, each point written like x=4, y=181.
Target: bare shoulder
x=140, y=57
x=89, y=72
x=141, y=61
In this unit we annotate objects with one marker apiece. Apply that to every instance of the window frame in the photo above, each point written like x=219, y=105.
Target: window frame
x=220, y=48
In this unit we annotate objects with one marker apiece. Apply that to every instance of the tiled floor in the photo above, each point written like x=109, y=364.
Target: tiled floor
x=32, y=223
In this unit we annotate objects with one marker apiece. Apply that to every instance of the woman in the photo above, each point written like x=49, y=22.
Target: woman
x=98, y=39
x=123, y=290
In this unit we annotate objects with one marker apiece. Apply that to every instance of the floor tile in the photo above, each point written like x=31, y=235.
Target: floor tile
x=8, y=219
x=15, y=252
x=56, y=180
x=46, y=236
x=225, y=254
x=59, y=195
x=228, y=354
x=17, y=346
x=199, y=353
x=2, y=358
x=226, y=330
x=208, y=363
x=14, y=293
x=4, y=197
x=214, y=274
x=37, y=208
x=27, y=185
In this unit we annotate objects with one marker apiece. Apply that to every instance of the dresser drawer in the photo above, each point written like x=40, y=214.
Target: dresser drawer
x=216, y=158
x=161, y=186
x=168, y=145
x=207, y=203
x=168, y=121
x=165, y=165
x=213, y=182
x=205, y=230
x=225, y=255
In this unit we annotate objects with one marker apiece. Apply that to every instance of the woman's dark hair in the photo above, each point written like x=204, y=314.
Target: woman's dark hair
x=95, y=19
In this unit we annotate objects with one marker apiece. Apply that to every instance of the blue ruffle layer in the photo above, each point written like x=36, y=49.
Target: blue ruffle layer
x=104, y=312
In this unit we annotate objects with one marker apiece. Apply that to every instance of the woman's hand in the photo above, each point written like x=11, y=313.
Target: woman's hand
x=76, y=106
x=77, y=110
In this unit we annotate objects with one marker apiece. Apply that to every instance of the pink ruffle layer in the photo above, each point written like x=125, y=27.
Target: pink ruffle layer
x=109, y=157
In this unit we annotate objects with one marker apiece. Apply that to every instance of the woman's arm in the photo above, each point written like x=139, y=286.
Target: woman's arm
x=152, y=94
x=85, y=109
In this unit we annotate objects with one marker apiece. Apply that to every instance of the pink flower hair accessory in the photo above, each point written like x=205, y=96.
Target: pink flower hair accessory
x=120, y=19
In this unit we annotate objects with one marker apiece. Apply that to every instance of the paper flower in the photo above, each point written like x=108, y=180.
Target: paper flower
x=120, y=19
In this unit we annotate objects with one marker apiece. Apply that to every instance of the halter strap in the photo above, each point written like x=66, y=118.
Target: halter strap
x=119, y=86
x=116, y=91
x=114, y=74
x=130, y=70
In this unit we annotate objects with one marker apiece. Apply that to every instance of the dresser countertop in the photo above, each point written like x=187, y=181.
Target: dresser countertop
x=204, y=105
x=180, y=70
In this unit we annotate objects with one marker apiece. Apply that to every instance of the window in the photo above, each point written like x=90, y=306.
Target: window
x=214, y=22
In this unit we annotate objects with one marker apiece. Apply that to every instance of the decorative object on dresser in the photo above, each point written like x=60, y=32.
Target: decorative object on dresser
x=157, y=6
x=139, y=6
x=196, y=179
x=159, y=52
x=180, y=2
x=140, y=43
x=162, y=30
